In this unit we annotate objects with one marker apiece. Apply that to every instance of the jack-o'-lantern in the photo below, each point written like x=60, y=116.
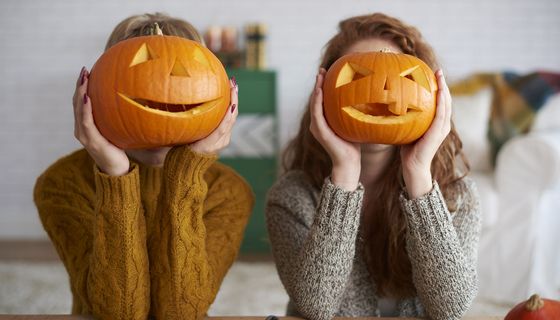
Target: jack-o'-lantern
x=157, y=90
x=535, y=308
x=379, y=97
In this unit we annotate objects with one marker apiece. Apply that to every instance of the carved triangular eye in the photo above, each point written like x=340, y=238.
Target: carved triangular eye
x=200, y=57
x=351, y=72
x=417, y=75
x=179, y=69
x=143, y=54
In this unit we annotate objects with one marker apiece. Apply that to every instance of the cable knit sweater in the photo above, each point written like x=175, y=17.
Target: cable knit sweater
x=156, y=241
x=317, y=247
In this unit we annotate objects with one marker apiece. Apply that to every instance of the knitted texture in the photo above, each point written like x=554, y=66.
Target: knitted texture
x=318, y=250
x=154, y=242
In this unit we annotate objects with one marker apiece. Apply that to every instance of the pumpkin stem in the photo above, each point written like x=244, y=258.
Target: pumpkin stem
x=385, y=50
x=155, y=30
x=534, y=303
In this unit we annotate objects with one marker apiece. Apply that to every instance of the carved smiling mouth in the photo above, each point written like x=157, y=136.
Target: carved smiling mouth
x=169, y=107
x=377, y=113
x=159, y=107
x=377, y=109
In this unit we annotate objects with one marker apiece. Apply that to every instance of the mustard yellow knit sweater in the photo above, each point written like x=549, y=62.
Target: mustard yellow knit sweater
x=157, y=241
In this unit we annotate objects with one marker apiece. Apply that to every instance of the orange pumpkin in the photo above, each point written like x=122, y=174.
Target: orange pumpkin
x=535, y=308
x=157, y=90
x=379, y=97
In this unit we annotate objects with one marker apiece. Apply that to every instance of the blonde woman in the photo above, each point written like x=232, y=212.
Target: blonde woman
x=148, y=232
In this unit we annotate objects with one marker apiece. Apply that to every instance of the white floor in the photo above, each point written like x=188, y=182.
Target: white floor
x=250, y=289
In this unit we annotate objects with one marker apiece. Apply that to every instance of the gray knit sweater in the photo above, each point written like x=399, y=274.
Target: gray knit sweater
x=315, y=243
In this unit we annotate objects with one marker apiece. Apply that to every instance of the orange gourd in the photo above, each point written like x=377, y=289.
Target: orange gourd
x=535, y=308
x=157, y=90
x=379, y=97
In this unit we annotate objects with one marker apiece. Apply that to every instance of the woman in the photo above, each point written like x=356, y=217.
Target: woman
x=375, y=230
x=144, y=232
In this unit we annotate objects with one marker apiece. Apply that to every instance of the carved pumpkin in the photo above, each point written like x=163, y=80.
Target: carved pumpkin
x=379, y=97
x=535, y=308
x=157, y=90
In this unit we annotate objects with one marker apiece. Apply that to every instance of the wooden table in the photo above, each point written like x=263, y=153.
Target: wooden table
x=70, y=317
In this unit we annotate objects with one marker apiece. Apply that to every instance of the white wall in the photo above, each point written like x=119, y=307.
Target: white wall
x=45, y=43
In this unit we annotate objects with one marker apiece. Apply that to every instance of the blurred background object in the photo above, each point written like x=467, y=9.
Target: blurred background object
x=273, y=48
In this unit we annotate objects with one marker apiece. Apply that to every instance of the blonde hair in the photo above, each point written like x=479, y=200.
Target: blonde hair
x=142, y=25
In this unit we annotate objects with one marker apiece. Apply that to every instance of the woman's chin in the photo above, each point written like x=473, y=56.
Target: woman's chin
x=372, y=147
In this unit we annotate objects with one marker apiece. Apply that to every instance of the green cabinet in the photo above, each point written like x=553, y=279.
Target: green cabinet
x=253, y=149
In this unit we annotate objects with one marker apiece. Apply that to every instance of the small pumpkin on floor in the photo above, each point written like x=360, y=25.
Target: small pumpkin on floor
x=535, y=308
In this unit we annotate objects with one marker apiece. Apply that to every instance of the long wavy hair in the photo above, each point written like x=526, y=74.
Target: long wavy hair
x=383, y=223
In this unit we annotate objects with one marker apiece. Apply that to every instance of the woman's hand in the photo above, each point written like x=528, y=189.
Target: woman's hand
x=417, y=157
x=108, y=158
x=220, y=137
x=345, y=156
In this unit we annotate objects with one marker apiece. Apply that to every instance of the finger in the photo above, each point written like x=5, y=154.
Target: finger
x=448, y=106
x=87, y=123
x=80, y=94
x=317, y=101
x=79, y=110
x=76, y=95
x=79, y=80
x=444, y=103
x=234, y=93
x=228, y=125
x=82, y=88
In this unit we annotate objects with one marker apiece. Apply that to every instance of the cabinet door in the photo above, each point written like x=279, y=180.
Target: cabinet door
x=253, y=149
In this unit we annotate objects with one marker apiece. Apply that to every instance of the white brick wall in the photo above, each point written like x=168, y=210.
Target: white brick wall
x=45, y=43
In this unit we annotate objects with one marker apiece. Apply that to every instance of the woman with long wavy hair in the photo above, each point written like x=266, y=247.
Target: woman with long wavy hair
x=375, y=230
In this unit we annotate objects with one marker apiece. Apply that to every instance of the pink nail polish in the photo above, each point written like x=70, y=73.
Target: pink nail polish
x=234, y=81
x=85, y=98
x=233, y=106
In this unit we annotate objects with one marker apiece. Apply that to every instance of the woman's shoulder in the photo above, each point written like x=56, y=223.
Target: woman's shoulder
x=75, y=165
x=464, y=187
x=293, y=186
x=69, y=172
x=464, y=194
x=220, y=176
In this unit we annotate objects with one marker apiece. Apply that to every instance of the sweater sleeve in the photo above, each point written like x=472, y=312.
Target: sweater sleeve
x=443, y=249
x=314, y=259
x=100, y=236
x=200, y=232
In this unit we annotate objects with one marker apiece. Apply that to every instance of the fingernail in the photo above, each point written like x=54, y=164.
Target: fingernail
x=85, y=98
x=234, y=81
x=83, y=78
x=233, y=106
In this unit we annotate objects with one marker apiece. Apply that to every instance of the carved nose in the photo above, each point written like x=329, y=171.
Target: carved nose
x=179, y=69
